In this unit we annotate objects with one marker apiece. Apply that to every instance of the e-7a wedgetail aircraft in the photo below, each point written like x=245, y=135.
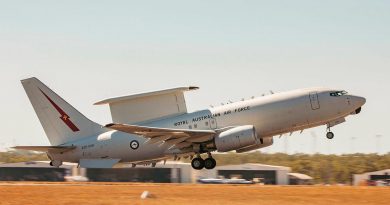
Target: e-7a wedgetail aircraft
x=156, y=126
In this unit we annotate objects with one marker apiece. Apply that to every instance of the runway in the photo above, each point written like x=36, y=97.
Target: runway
x=129, y=193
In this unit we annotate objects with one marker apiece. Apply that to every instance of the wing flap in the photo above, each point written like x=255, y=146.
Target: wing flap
x=151, y=132
x=166, y=135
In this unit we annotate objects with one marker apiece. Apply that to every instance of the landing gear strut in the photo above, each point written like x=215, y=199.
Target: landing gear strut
x=329, y=134
x=198, y=163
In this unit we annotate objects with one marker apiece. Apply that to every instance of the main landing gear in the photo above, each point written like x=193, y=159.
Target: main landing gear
x=329, y=134
x=198, y=163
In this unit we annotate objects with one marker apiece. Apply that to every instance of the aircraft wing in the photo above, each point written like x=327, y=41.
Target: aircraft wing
x=52, y=149
x=177, y=138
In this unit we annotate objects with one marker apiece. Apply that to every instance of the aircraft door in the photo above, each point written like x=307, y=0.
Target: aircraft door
x=213, y=123
x=315, y=104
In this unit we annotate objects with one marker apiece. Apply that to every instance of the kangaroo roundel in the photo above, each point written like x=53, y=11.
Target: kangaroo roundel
x=134, y=144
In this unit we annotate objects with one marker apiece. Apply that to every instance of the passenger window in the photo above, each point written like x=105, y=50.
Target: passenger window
x=195, y=126
x=206, y=123
x=190, y=126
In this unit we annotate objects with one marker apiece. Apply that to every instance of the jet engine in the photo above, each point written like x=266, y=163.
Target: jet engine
x=265, y=142
x=236, y=138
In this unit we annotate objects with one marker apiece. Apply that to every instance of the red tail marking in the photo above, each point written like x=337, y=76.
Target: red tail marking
x=64, y=117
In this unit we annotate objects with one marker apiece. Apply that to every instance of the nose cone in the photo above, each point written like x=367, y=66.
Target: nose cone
x=359, y=101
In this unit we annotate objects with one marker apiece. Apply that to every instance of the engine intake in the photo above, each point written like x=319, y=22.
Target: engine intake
x=236, y=138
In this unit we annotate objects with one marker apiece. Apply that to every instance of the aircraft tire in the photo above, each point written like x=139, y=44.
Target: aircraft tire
x=55, y=163
x=329, y=135
x=210, y=163
x=197, y=163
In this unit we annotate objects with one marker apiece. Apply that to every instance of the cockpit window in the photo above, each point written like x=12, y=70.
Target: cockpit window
x=338, y=93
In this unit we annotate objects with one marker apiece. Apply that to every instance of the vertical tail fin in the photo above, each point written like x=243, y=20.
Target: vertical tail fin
x=62, y=122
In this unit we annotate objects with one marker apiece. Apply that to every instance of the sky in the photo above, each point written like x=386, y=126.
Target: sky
x=91, y=50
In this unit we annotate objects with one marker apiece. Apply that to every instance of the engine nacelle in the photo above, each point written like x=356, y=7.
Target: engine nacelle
x=236, y=138
x=265, y=142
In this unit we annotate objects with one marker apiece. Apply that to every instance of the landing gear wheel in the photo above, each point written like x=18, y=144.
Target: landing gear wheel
x=329, y=135
x=210, y=163
x=197, y=163
x=55, y=163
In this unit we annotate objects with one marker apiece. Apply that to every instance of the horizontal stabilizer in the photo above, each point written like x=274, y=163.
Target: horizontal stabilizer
x=51, y=149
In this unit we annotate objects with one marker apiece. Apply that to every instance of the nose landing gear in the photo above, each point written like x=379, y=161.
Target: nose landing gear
x=329, y=134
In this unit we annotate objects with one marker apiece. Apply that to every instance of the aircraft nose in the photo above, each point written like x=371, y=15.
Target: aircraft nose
x=359, y=101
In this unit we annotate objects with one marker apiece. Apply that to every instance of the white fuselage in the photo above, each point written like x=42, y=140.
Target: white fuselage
x=270, y=115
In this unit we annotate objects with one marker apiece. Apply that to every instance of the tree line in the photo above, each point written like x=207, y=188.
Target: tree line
x=329, y=169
